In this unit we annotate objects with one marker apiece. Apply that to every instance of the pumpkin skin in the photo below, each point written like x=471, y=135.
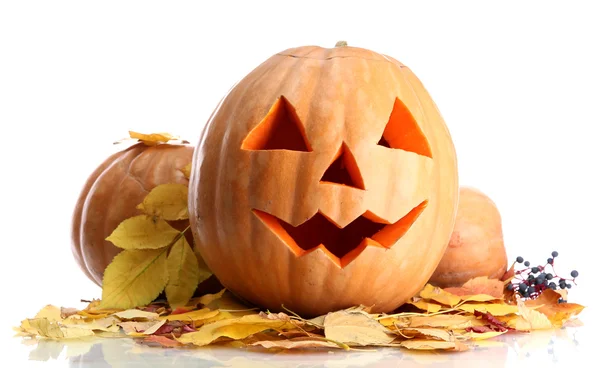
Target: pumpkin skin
x=252, y=183
x=111, y=194
x=476, y=246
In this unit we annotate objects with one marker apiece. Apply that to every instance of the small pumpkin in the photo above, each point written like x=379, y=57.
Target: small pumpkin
x=476, y=247
x=111, y=194
x=326, y=178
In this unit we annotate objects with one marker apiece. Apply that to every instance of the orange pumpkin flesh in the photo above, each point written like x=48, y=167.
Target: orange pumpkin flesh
x=476, y=247
x=325, y=179
x=111, y=194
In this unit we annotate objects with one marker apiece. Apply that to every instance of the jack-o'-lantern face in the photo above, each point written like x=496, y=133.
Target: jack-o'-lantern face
x=281, y=129
x=324, y=172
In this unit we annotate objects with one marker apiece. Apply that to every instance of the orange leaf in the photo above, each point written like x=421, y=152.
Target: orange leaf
x=547, y=303
x=163, y=341
x=151, y=139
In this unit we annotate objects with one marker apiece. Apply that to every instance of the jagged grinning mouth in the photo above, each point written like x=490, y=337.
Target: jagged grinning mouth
x=341, y=245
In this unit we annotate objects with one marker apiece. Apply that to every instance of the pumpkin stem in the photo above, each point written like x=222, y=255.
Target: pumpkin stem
x=341, y=44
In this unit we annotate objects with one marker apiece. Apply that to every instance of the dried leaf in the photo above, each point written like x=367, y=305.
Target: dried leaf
x=439, y=295
x=426, y=306
x=134, y=278
x=493, y=309
x=448, y=321
x=193, y=316
x=52, y=329
x=184, y=273
x=355, y=328
x=547, y=303
x=431, y=333
x=235, y=328
x=297, y=343
x=162, y=341
x=529, y=319
x=210, y=298
x=166, y=201
x=483, y=335
x=50, y=312
x=187, y=170
x=141, y=328
x=143, y=232
x=480, y=289
x=433, y=345
x=151, y=139
x=136, y=314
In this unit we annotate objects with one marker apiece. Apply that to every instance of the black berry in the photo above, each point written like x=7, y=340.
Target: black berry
x=520, y=259
x=535, y=270
x=550, y=260
x=574, y=273
x=526, y=263
x=549, y=276
x=554, y=254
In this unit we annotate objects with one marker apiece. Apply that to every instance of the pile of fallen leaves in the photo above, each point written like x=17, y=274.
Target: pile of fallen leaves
x=444, y=319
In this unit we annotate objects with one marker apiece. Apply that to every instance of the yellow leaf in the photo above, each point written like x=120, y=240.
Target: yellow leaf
x=529, y=319
x=50, y=312
x=439, y=295
x=167, y=201
x=134, y=278
x=136, y=314
x=450, y=321
x=356, y=328
x=187, y=170
x=483, y=335
x=52, y=329
x=134, y=328
x=297, y=343
x=432, y=333
x=236, y=328
x=433, y=345
x=184, y=273
x=210, y=298
x=196, y=315
x=143, y=232
x=547, y=303
x=151, y=139
x=493, y=309
x=426, y=306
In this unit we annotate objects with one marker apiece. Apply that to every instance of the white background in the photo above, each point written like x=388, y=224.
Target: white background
x=517, y=83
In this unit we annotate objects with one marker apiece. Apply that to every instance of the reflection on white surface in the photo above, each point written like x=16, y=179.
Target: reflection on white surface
x=561, y=346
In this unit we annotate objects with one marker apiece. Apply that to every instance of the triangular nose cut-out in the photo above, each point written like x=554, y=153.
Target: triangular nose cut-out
x=403, y=132
x=281, y=129
x=344, y=170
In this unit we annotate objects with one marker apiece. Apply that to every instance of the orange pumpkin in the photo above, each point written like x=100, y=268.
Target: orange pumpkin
x=476, y=246
x=112, y=193
x=326, y=178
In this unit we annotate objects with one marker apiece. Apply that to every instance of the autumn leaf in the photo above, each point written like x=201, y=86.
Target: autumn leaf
x=426, y=306
x=162, y=341
x=448, y=321
x=134, y=278
x=493, y=309
x=483, y=335
x=184, y=273
x=143, y=232
x=529, y=319
x=547, y=303
x=298, y=343
x=235, y=328
x=167, y=201
x=479, y=289
x=136, y=314
x=151, y=139
x=187, y=170
x=355, y=328
x=52, y=329
x=192, y=316
x=439, y=295
x=430, y=333
x=422, y=344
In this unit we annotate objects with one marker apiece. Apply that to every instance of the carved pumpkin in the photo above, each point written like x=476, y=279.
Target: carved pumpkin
x=112, y=193
x=326, y=178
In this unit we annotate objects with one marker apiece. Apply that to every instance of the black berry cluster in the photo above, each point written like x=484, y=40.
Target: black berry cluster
x=531, y=281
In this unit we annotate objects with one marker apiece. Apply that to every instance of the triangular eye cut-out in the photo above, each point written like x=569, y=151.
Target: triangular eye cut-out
x=403, y=132
x=281, y=129
x=344, y=170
